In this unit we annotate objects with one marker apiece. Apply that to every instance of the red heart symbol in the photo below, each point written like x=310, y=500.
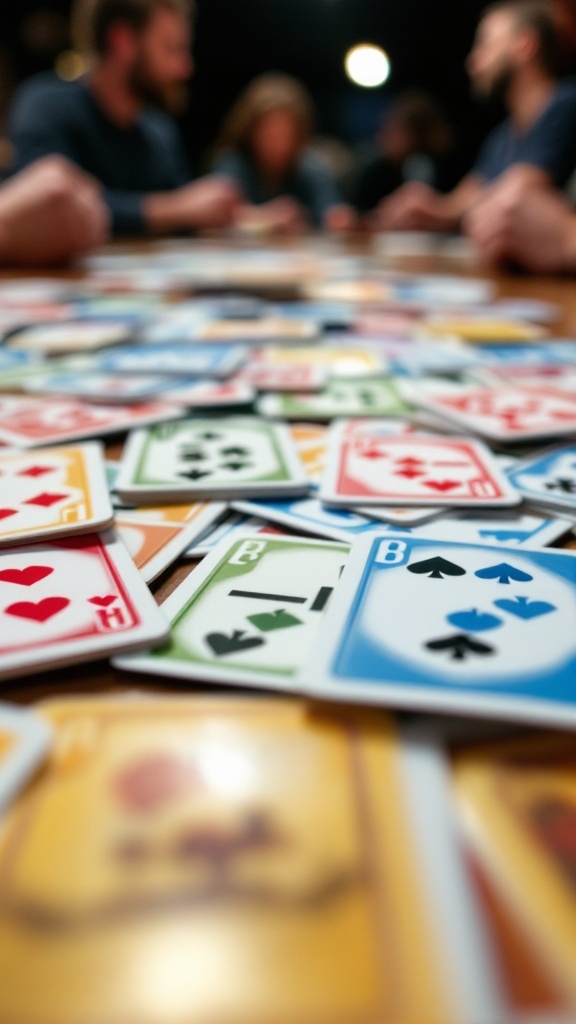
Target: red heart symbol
x=441, y=485
x=103, y=602
x=26, y=577
x=40, y=612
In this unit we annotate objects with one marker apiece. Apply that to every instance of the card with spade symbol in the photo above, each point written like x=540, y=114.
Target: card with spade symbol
x=352, y=396
x=548, y=479
x=249, y=613
x=448, y=627
x=364, y=469
x=203, y=459
x=74, y=600
x=52, y=492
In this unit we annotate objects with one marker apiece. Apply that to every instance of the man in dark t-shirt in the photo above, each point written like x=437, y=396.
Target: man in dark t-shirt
x=517, y=56
x=116, y=121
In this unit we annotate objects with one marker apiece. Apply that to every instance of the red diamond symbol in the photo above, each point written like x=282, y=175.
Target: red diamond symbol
x=36, y=471
x=45, y=499
x=5, y=512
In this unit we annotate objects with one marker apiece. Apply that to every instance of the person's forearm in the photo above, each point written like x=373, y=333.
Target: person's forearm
x=162, y=212
x=452, y=207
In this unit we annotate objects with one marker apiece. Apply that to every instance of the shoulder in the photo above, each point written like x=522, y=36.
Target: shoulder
x=564, y=99
x=47, y=94
x=313, y=167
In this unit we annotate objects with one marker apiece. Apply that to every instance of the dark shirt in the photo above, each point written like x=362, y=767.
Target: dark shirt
x=310, y=183
x=549, y=144
x=50, y=116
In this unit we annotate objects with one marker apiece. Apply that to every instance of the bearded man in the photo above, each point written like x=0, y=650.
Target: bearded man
x=517, y=58
x=116, y=121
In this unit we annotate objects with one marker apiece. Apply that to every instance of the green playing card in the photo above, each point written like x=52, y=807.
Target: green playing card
x=343, y=396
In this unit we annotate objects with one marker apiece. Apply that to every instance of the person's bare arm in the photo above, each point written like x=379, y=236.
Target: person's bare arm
x=50, y=213
x=519, y=222
x=207, y=203
x=417, y=207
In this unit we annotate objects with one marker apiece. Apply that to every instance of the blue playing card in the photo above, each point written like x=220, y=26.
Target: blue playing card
x=548, y=478
x=193, y=360
x=310, y=515
x=452, y=627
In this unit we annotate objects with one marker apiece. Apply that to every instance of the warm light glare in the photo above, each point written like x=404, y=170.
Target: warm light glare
x=367, y=65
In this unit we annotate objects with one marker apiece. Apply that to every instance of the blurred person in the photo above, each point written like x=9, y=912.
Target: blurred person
x=115, y=122
x=263, y=147
x=518, y=57
x=413, y=140
x=519, y=223
x=50, y=213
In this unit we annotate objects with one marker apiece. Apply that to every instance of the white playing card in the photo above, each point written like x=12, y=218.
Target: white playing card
x=308, y=515
x=364, y=470
x=30, y=422
x=75, y=336
x=502, y=414
x=447, y=627
x=52, y=492
x=266, y=376
x=100, y=387
x=74, y=600
x=207, y=393
x=206, y=458
x=234, y=525
x=248, y=614
x=548, y=478
x=24, y=740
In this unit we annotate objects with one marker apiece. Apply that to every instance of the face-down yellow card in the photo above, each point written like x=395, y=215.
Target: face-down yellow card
x=216, y=861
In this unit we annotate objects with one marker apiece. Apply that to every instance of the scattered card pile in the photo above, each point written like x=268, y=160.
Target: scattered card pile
x=358, y=493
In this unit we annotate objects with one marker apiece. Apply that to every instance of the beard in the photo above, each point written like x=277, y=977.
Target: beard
x=494, y=92
x=171, y=97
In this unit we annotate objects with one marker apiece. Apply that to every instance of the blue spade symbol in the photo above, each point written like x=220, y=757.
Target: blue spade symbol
x=504, y=573
x=473, y=621
x=523, y=608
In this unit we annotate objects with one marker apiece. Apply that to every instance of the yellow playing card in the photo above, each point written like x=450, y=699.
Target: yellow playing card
x=518, y=801
x=199, y=860
x=488, y=330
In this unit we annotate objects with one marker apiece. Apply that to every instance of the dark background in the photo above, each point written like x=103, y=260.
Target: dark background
x=426, y=40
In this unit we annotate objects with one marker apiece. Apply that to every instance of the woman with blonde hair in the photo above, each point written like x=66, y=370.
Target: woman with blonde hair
x=263, y=148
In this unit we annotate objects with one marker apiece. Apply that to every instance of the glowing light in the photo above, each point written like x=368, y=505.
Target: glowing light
x=367, y=65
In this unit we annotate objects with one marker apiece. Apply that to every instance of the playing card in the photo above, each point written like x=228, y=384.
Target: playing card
x=155, y=545
x=548, y=478
x=100, y=387
x=170, y=843
x=73, y=600
x=309, y=515
x=364, y=469
x=203, y=458
x=266, y=376
x=186, y=360
x=76, y=336
x=256, y=331
x=30, y=422
x=310, y=441
x=249, y=613
x=344, y=360
x=502, y=414
x=207, y=393
x=52, y=492
x=479, y=330
x=518, y=804
x=356, y=396
x=24, y=740
x=471, y=629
